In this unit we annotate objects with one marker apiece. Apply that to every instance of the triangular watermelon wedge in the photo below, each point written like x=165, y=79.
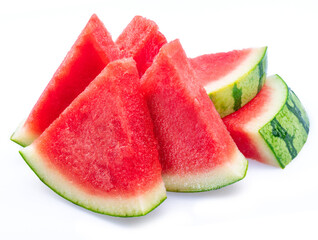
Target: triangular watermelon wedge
x=101, y=153
x=141, y=39
x=233, y=78
x=196, y=151
x=91, y=52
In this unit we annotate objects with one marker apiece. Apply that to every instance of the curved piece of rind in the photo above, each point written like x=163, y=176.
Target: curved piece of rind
x=229, y=97
x=287, y=132
x=221, y=176
x=114, y=206
x=22, y=136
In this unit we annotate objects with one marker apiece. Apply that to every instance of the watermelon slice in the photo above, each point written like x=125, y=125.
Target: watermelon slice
x=273, y=127
x=233, y=78
x=91, y=52
x=141, y=40
x=101, y=152
x=196, y=151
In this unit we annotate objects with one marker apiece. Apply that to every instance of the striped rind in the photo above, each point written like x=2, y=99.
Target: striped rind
x=22, y=136
x=228, y=173
x=120, y=206
x=271, y=131
x=241, y=85
x=287, y=132
x=273, y=105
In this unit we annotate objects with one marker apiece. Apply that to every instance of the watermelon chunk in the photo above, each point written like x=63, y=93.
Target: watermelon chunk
x=196, y=151
x=91, y=52
x=273, y=127
x=101, y=152
x=141, y=40
x=233, y=78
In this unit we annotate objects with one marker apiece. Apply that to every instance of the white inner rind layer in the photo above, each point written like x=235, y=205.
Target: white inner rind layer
x=228, y=173
x=246, y=66
x=276, y=100
x=22, y=136
x=116, y=206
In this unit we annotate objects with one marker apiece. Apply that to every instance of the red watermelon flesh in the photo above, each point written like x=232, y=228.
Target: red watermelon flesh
x=101, y=152
x=196, y=151
x=141, y=40
x=211, y=67
x=91, y=52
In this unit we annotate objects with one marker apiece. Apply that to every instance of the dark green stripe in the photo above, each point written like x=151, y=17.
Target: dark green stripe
x=279, y=131
x=296, y=111
x=237, y=95
x=260, y=75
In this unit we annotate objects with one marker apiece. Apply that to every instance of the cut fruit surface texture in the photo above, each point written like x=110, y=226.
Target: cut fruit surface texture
x=101, y=152
x=273, y=127
x=141, y=39
x=91, y=52
x=196, y=151
x=231, y=79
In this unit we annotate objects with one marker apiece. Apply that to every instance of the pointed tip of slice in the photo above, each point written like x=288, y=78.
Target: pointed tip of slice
x=17, y=141
x=22, y=137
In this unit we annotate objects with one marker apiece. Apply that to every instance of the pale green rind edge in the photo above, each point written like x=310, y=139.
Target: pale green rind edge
x=83, y=206
x=231, y=180
x=214, y=188
x=242, y=90
x=289, y=124
x=22, y=137
x=17, y=141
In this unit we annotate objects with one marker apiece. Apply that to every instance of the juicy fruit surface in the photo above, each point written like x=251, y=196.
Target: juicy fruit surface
x=141, y=40
x=103, y=142
x=273, y=127
x=106, y=130
x=191, y=135
x=92, y=51
x=233, y=78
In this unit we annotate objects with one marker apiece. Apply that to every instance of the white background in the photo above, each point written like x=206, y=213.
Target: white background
x=269, y=203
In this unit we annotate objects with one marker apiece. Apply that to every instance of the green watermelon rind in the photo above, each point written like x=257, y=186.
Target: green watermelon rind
x=22, y=137
x=233, y=96
x=291, y=129
x=26, y=159
x=235, y=171
x=17, y=141
x=214, y=188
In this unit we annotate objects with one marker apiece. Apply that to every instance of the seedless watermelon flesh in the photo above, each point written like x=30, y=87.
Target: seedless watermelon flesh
x=141, y=39
x=233, y=78
x=101, y=153
x=196, y=151
x=91, y=52
x=273, y=127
